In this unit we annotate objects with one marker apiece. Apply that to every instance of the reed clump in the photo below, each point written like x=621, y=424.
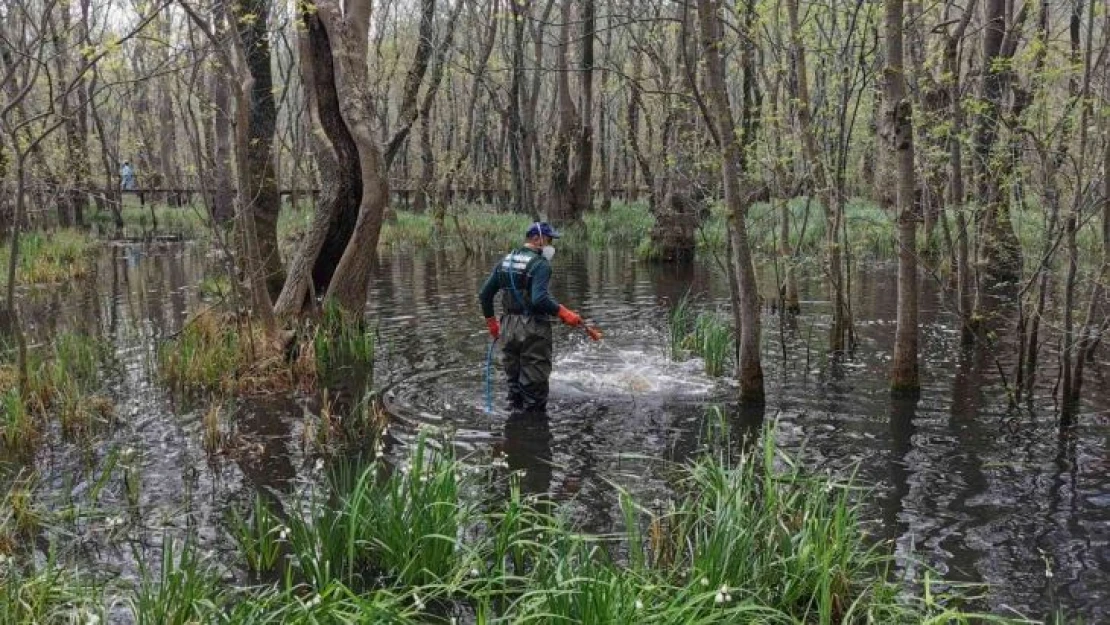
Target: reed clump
x=65, y=380
x=222, y=355
x=50, y=257
x=754, y=539
x=707, y=335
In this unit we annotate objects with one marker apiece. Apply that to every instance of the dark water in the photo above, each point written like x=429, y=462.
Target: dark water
x=961, y=483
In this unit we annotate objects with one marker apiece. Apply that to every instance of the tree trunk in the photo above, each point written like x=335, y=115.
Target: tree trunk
x=733, y=171
x=1087, y=332
x=899, y=136
x=520, y=159
x=956, y=194
x=558, y=202
x=840, y=327
x=348, y=31
x=262, y=181
x=409, y=111
x=677, y=215
x=581, y=191
x=222, y=210
x=999, y=250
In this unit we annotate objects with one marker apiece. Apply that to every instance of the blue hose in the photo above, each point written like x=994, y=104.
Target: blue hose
x=489, y=376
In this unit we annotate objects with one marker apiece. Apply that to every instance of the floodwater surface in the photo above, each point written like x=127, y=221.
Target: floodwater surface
x=957, y=480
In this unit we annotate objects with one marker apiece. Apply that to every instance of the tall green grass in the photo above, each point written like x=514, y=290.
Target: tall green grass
x=65, y=379
x=750, y=539
x=475, y=228
x=343, y=343
x=705, y=334
x=49, y=257
x=190, y=221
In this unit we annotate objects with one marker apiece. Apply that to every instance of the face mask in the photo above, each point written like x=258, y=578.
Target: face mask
x=548, y=252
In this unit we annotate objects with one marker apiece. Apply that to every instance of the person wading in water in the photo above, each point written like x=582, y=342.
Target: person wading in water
x=523, y=276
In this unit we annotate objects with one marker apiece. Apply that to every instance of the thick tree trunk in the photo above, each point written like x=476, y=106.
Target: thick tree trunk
x=558, y=202
x=899, y=136
x=341, y=186
x=733, y=171
x=347, y=30
x=262, y=183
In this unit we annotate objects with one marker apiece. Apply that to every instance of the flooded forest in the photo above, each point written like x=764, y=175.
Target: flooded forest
x=831, y=287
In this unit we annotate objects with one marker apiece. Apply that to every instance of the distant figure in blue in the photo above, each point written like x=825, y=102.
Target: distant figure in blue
x=127, y=176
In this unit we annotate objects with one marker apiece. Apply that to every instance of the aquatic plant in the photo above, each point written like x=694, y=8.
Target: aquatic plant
x=221, y=355
x=260, y=537
x=679, y=319
x=340, y=342
x=18, y=430
x=46, y=593
x=49, y=257
x=185, y=590
x=189, y=221
x=65, y=379
x=712, y=340
x=753, y=538
x=213, y=432
x=216, y=287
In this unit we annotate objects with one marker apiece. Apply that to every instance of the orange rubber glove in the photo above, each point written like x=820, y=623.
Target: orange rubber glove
x=494, y=327
x=593, y=333
x=569, y=317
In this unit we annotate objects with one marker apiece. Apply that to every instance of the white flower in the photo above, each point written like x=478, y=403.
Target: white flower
x=313, y=602
x=92, y=619
x=319, y=464
x=474, y=573
x=705, y=581
x=283, y=532
x=417, y=601
x=639, y=605
x=720, y=598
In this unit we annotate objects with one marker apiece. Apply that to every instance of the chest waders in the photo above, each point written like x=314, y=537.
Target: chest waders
x=525, y=337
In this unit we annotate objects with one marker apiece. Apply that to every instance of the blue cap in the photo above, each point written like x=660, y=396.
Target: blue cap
x=541, y=227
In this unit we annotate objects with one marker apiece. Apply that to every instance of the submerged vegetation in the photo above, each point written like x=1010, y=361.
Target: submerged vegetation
x=748, y=539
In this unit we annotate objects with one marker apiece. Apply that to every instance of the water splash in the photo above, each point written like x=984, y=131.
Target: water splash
x=605, y=371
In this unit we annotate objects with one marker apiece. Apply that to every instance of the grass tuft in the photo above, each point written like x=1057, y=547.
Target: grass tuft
x=49, y=257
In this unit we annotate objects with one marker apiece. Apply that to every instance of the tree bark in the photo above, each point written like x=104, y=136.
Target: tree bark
x=581, y=196
x=348, y=32
x=520, y=158
x=222, y=196
x=733, y=164
x=683, y=199
x=899, y=136
x=558, y=202
x=409, y=111
x=252, y=18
